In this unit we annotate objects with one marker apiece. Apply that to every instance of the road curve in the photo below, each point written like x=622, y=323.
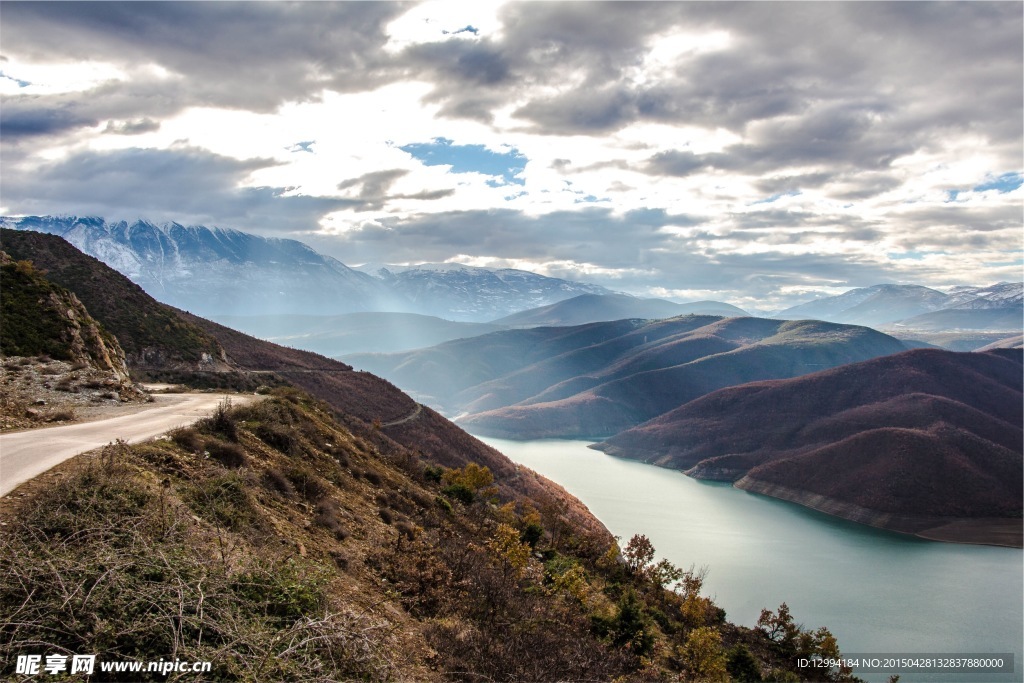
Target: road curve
x=24, y=455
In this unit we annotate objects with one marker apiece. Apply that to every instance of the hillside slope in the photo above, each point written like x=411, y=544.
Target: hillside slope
x=40, y=318
x=909, y=441
x=151, y=334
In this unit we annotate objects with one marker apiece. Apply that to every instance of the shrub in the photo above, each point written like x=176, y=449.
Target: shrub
x=278, y=438
x=225, y=500
x=221, y=422
x=328, y=516
x=460, y=492
x=386, y=515
x=187, y=438
x=275, y=480
x=228, y=454
x=308, y=485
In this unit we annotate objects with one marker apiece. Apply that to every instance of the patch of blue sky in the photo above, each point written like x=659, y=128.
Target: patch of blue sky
x=776, y=197
x=914, y=255
x=951, y=195
x=21, y=83
x=465, y=29
x=1004, y=264
x=503, y=167
x=1007, y=182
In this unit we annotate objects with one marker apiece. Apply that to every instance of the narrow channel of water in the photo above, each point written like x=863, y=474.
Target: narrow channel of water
x=878, y=592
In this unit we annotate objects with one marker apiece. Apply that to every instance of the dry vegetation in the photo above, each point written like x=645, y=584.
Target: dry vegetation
x=273, y=542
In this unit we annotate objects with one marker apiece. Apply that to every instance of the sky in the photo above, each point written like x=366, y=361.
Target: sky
x=755, y=153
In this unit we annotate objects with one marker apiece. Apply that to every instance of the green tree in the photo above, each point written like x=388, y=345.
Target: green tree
x=703, y=657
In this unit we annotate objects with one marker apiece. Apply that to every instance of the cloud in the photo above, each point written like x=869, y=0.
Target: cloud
x=686, y=114
x=133, y=127
x=184, y=184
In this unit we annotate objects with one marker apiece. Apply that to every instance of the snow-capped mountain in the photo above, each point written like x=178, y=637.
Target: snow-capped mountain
x=913, y=307
x=999, y=295
x=469, y=293
x=216, y=272
x=213, y=271
x=870, y=305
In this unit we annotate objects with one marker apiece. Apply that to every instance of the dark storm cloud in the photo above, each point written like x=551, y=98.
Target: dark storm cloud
x=187, y=184
x=141, y=101
x=20, y=119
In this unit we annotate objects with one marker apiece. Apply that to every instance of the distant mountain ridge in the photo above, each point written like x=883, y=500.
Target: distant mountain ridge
x=472, y=294
x=995, y=307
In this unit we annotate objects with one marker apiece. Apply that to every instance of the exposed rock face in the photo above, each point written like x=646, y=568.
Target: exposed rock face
x=42, y=318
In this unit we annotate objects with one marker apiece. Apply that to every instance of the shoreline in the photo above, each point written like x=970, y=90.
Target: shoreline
x=993, y=531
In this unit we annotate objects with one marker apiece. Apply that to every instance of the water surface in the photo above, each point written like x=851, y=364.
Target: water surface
x=877, y=591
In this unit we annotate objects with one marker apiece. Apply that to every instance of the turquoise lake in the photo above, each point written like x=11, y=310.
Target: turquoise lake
x=878, y=592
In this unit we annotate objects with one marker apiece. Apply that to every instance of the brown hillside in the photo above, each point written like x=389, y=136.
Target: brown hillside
x=925, y=433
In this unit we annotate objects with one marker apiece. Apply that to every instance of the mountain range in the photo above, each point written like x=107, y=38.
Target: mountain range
x=216, y=272
x=590, y=308
x=602, y=378
x=468, y=293
x=912, y=307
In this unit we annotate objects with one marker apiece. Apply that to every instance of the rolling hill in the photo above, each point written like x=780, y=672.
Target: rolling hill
x=601, y=378
x=590, y=308
x=911, y=442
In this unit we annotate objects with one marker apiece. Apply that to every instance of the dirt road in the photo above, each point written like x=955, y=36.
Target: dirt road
x=24, y=455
